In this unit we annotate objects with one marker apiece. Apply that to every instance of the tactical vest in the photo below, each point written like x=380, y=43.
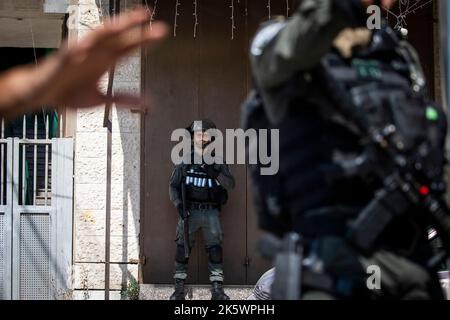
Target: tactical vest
x=311, y=193
x=201, y=188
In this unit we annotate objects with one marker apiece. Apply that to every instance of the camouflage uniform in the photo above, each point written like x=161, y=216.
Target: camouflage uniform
x=206, y=191
x=207, y=220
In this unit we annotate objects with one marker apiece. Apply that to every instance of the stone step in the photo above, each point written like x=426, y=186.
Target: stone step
x=195, y=292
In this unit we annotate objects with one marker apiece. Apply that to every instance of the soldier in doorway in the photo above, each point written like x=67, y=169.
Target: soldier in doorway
x=205, y=191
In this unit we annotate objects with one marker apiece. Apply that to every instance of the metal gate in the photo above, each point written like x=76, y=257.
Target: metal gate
x=36, y=188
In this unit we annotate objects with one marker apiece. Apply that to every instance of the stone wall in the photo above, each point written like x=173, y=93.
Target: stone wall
x=90, y=176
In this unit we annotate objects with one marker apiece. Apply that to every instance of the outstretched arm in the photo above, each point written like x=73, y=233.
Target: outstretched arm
x=70, y=76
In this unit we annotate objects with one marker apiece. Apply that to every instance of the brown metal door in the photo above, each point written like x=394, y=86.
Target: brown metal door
x=208, y=76
x=170, y=76
x=191, y=78
x=421, y=34
x=222, y=86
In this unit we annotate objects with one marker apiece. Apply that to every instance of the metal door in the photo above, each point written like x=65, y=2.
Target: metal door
x=203, y=71
x=36, y=218
x=198, y=73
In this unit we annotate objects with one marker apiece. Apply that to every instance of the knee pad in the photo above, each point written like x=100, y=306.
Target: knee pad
x=215, y=254
x=179, y=256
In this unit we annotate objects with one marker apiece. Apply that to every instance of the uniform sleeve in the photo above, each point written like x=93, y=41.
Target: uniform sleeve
x=226, y=178
x=281, y=49
x=175, y=186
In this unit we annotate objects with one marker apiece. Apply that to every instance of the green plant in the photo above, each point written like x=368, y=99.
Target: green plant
x=85, y=284
x=131, y=291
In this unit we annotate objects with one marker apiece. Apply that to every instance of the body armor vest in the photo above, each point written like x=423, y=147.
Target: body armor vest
x=202, y=188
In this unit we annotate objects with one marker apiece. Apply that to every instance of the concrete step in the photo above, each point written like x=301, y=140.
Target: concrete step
x=195, y=292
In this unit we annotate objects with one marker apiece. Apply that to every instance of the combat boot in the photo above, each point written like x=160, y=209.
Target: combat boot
x=179, y=293
x=217, y=292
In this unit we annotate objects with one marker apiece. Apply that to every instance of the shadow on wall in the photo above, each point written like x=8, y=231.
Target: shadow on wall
x=129, y=131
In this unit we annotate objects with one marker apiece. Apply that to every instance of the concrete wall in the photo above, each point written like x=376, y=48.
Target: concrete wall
x=23, y=22
x=90, y=177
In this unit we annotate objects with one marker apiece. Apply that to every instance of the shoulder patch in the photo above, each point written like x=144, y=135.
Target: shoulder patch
x=264, y=36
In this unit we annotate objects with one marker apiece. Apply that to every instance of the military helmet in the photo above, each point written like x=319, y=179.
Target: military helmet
x=203, y=125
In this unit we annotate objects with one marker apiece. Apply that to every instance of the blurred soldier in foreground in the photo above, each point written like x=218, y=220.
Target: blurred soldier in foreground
x=361, y=156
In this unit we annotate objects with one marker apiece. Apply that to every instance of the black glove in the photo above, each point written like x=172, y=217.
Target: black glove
x=180, y=210
x=213, y=170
